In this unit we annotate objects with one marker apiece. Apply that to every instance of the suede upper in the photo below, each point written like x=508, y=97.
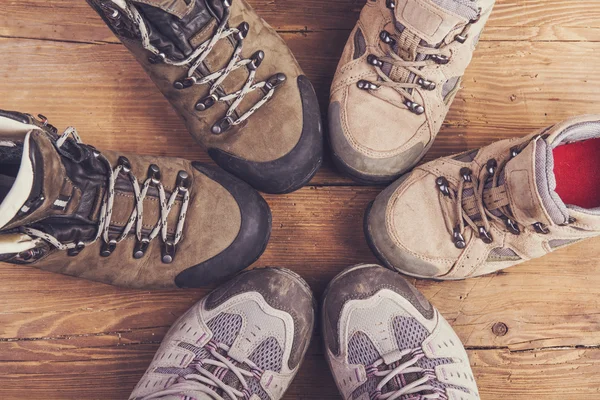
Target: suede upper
x=373, y=132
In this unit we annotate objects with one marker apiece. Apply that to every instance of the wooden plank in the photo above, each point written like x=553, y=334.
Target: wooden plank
x=100, y=369
x=318, y=232
x=532, y=20
x=104, y=93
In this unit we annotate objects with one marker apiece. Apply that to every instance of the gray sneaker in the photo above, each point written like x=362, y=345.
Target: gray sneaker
x=384, y=340
x=245, y=340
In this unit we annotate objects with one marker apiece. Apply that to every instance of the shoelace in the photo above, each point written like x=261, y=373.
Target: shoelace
x=432, y=56
x=208, y=382
x=420, y=387
x=136, y=218
x=216, y=78
x=488, y=199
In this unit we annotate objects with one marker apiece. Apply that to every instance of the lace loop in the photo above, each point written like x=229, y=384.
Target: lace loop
x=420, y=386
x=136, y=217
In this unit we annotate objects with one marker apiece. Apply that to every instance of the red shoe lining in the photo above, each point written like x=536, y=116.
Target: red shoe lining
x=577, y=171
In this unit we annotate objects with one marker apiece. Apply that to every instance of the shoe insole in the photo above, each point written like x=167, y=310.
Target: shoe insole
x=577, y=172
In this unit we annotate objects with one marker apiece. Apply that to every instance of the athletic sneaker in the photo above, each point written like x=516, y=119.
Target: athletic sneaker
x=485, y=210
x=384, y=340
x=245, y=340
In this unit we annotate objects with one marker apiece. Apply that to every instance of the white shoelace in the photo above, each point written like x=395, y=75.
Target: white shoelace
x=136, y=215
x=417, y=387
x=204, y=381
x=218, y=77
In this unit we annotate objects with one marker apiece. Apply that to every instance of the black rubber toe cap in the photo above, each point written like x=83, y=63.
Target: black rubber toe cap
x=250, y=242
x=295, y=169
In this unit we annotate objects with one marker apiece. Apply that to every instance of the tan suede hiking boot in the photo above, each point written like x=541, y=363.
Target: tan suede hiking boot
x=398, y=75
x=244, y=341
x=489, y=209
x=232, y=79
x=133, y=221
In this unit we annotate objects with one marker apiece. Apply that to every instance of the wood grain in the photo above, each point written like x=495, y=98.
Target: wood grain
x=532, y=331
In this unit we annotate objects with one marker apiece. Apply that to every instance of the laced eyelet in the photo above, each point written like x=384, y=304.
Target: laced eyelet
x=458, y=239
x=207, y=102
x=466, y=174
x=124, y=162
x=222, y=125
x=275, y=81
x=373, y=60
x=440, y=59
x=415, y=108
x=257, y=59
x=461, y=38
x=541, y=228
x=185, y=83
x=168, y=252
x=243, y=29
x=108, y=248
x=154, y=174
x=425, y=84
x=512, y=226
x=183, y=180
x=76, y=250
x=391, y=4
x=387, y=38
x=572, y=220
x=491, y=166
x=366, y=85
x=485, y=236
x=443, y=186
x=140, y=249
x=157, y=58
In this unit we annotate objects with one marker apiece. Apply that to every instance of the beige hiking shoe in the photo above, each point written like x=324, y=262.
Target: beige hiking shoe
x=398, y=75
x=489, y=209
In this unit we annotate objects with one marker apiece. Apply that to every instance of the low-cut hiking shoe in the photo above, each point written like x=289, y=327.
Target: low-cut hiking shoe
x=246, y=340
x=484, y=210
x=232, y=79
x=384, y=340
x=128, y=220
x=399, y=73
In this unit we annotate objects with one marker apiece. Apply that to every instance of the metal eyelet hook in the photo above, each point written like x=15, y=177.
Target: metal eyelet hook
x=387, y=38
x=458, y=239
x=275, y=81
x=491, y=166
x=427, y=85
x=391, y=4
x=124, y=162
x=485, y=236
x=440, y=59
x=466, y=174
x=157, y=58
x=514, y=151
x=185, y=83
x=243, y=29
x=207, y=102
x=257, y=59
x=512, y=226
x=140, y=249
x=154, y=174
x=460, y=38
x=373, y=60
x=415, y=108
x=443, y=186
x=43, y=119
x=227, y=3
x=183, y=180
x=222, y=125
x=366, y=85
x=108, y=248
x=541, y=228
x=168, y=252
x=75, y=251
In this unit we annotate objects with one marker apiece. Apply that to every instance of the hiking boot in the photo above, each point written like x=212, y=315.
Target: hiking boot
x=246, y=340
x=384, y=340
x=489, y=209
x=232, y=79
x=134, y=221
x=398, y=75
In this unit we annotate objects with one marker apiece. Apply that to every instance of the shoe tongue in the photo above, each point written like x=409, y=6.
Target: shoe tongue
x=175, y=27
x=433, y=20
x=530, y=185
x=37, y=187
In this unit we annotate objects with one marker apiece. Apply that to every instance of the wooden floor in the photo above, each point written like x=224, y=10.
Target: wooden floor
x=532, y=332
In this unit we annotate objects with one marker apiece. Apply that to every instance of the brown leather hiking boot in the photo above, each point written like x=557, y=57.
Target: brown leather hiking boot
x=397, y=77
x=133, y=221
x=489, y=209
x=232, y=79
